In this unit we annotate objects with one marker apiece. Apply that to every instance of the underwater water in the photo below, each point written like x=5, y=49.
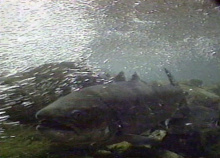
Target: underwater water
x=106, y=36
x=141, y=36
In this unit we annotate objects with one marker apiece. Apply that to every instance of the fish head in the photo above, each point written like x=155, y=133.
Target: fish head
x=76, y=119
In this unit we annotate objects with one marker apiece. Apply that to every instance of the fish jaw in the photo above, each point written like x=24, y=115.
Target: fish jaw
x=70, y=132
x=75, y=136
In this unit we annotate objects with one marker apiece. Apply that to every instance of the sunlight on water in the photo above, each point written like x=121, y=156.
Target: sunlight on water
x=37, y=32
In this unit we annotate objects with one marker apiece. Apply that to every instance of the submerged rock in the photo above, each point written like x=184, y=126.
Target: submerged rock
x=215, y=89
x=201, y=96
x=194, y=83
x=127, y=150
x=211, y=142
x=169, y=154
x=23, y=141
x=191, y=130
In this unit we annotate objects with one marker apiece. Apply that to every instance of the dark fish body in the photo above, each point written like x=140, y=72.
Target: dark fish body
x=118, y=111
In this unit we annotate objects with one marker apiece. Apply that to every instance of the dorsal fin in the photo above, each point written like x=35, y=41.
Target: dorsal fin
x=170, y=77
x=120, y=77
x=135, y=77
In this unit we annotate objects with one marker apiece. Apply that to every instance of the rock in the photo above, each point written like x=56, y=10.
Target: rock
x=120, y=147
x=201, y=112
x=189, y=125
x=197, y=119
x=169, y=154
x=215, y=89
x=195, y=82
x=156, y=135
x=187, y=144
x=201, y=97
x=211, y=142
x=22, y=141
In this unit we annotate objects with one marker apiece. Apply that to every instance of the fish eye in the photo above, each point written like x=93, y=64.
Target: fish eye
x=161, y=104
x=78, y=114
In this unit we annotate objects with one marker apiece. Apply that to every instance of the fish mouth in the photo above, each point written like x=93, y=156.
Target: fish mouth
x=72, y=133
x=55, y=125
